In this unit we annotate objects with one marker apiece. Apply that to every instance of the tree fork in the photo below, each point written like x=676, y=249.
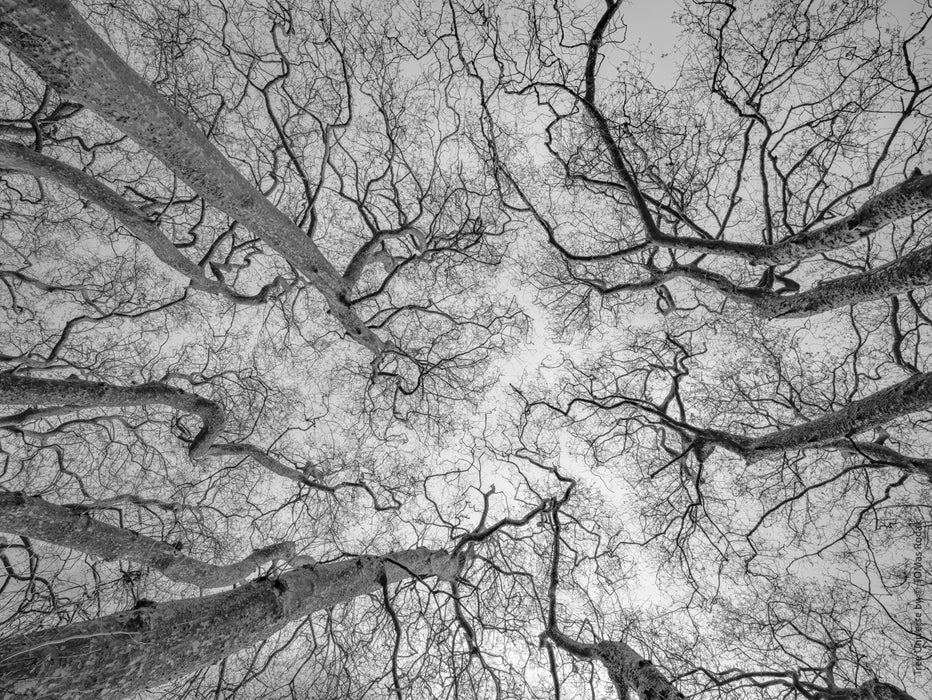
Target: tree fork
x=902, y=275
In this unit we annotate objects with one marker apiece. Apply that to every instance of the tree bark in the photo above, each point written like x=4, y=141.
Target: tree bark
x=127, y=652
x=627, y=669
x=51, y=38
x=833, y=429
x=882, y=455
x=878, y=690
x=911, y=196
x=630, y=670
x=911, y=271
x=25, y=160
x=266, y=461
x=32, y=391
x=34, y=517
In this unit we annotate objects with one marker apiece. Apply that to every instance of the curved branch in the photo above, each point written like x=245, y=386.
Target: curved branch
x=32, y=391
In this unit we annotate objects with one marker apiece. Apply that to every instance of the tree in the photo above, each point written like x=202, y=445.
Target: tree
x=467, y=358
x=92, y=659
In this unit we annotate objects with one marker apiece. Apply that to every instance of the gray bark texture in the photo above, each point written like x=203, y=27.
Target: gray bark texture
x=878, y=690
x=627, y=669
x=910, y=395
x=911, y=271
x=125, y=653
x=27, y=161
x=908, y=272
x=32, y=391
x=53, y=40
x=911, y=196
x=631, y=671
x=836, y=430
x=34, y=517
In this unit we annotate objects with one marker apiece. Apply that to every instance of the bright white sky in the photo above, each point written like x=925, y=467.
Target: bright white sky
x=650, y=25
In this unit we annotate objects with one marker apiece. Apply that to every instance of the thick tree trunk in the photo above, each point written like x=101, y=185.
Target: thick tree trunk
x=912, y=196
x=630, y=670
x=25, y=160
x=125, y=653
x=52, y=39
x=627, y=669
x=911, y=271
x=878, y=690
x=31, y=391
x=69, y=527
x=832, y=429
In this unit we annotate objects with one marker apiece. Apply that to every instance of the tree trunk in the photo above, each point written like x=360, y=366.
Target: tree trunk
x=51, y=38
x=911, y=395
x=878, y=690
x=25, y=160
x=627, y=669
x=912, y=196
x=911, y=271
x=70, y=527
x=32, y=391
x=630, y=670
x=127, y=652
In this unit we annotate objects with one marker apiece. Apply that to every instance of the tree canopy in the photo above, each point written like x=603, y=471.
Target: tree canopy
x=459, y=349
